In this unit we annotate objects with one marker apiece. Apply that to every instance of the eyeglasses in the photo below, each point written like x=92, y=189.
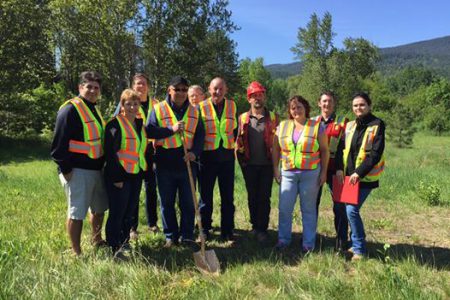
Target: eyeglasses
x=184, y=90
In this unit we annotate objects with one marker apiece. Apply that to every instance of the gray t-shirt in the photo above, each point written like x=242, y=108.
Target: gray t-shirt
x=258, y=153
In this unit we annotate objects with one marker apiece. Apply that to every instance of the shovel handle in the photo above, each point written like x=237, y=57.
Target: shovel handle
x=194, y=198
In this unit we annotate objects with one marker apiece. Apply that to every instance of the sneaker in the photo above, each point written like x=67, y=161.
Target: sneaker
x=134, y=235
x=154, y=229
x=120, y=255
x=262, y=237
x=357, y=257
x=169, y=244
x=127, y=248
x=280, y=246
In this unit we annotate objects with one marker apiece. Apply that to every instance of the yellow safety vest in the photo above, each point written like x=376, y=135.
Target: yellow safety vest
x=333, y=141
x=93, y=130
x=215, y=129
x=366, y=147
x=132, y=150
x=166, y=117
x=305, y=154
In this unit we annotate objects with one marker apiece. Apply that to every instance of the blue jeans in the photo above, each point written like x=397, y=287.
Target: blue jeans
x=169, y=182
x=305, y=184
x=358, y=235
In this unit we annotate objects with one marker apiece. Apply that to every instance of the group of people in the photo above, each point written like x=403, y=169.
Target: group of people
x=102, y=165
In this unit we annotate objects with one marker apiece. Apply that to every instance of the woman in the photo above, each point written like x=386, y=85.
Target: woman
x=125, y=145
x=302, y=147
x=362, y=160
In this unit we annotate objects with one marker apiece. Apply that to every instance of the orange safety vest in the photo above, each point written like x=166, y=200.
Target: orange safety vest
x=166, y=117
x=305, y=154
x=215, y=129
x=366, y=147
x=132, y=150
x=93, y=130
x=338, y=126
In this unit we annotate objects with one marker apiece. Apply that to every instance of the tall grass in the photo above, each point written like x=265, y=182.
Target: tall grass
x=35, y=260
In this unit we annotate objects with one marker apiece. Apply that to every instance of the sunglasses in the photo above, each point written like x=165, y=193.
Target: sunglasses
x=184, y=90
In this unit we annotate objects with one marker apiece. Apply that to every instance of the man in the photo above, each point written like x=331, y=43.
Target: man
x=140, y=84
x=196, y=94
x=334, y=129
x=217, y=160
x=77, y=149
x=254, y=153
x=171, y=171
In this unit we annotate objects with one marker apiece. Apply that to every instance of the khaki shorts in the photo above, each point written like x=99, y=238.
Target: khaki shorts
x=85, y=190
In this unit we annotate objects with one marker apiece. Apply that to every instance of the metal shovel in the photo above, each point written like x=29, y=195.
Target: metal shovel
x=206, y=261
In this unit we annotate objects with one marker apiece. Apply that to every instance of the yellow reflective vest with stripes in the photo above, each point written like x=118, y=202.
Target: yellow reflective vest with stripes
x=366, y=147
x=93, y=130
x=305, y=153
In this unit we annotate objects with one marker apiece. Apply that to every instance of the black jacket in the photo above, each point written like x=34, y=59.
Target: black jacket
x=372, y=158
x=69, y=126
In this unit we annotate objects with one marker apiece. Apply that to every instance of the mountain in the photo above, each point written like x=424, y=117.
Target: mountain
x=432, y=54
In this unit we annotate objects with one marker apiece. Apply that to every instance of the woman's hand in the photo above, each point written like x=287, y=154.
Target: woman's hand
x=277, y=175
x=340, y=176
x=354, y=178
x=189, y=157
x=322, y=178
x=118, y=185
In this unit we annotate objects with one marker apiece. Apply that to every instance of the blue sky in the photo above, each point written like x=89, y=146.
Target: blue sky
x=269, y=27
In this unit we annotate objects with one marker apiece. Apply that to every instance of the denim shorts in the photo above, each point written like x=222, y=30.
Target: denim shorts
x=84, y=190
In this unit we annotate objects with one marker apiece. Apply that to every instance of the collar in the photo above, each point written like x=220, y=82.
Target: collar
x=365, y=120
x=329, y=120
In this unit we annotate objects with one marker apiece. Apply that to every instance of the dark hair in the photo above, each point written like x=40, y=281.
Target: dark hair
x=137, y=75
x=87, y=76
x=363, y=95
x=329, y=94
x=302, y=101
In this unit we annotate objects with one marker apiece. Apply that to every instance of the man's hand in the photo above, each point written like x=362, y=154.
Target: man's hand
x=354, y=178
x=68, y=176
x=178, y=127
x=340, y=176
x=118, y=185
x=189, y=157
x=277, y=175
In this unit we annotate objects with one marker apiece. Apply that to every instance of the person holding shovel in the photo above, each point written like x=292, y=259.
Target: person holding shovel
x=171, y=171
x=254, y=153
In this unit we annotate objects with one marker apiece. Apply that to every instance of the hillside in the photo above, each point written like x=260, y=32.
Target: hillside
x=433, y=54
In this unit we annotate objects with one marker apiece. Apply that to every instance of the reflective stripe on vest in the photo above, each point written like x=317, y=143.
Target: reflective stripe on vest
x=215, y=129
x=166, y=117
x=132, y=151
x=92, y=145
x=366, y=147
x=305, y=154
x=333, y=141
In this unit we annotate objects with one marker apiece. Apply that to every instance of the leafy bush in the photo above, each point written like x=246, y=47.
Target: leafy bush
x=430, y=193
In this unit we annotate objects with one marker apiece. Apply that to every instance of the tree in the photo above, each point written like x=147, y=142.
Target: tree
x=26, y=59
x=401, y=126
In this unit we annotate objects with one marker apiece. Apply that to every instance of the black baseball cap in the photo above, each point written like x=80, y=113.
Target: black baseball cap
x=178, y=80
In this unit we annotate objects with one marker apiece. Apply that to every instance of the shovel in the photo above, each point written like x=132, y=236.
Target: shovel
x=206, y=261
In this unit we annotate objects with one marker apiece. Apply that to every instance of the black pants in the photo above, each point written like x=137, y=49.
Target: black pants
x=258, y=181
x=224, y=172
x=151, y=200
x=122, y=205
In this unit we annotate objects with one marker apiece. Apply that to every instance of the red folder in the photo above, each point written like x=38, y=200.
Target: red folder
x=346, y=192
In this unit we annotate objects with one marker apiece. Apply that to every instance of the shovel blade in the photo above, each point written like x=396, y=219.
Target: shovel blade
x=208, y=264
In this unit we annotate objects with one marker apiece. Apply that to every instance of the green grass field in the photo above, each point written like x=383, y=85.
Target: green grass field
x=35, y=260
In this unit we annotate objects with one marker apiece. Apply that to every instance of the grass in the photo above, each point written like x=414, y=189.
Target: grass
x=35, y=260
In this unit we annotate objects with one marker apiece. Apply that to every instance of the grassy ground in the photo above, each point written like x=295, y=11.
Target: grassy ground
x=35, y=261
